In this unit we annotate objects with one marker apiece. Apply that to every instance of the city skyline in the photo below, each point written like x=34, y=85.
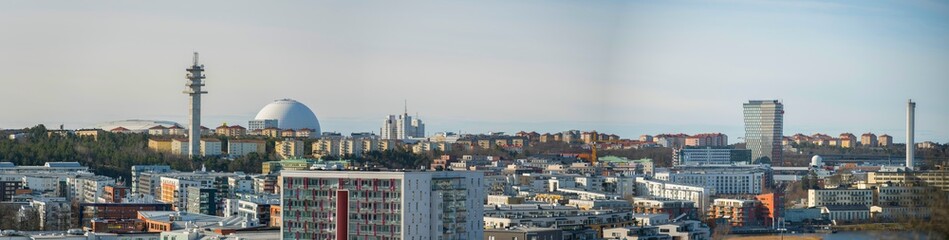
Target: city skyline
x=838, y=67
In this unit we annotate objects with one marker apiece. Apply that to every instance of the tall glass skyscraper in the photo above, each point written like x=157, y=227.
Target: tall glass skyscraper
x=764, y=123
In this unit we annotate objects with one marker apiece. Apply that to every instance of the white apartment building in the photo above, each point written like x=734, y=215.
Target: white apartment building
x=401, y=127
x=238, y=148
x=658, y=188
x=387, y=205
x=87, y=189
x=210, y=147
x=828, y=197
x=720, y=182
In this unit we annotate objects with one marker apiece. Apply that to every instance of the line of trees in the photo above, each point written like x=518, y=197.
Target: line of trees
x=112, y=154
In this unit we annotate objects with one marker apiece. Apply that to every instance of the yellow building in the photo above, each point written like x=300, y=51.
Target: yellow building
x=160, y=145
x=848, y=140
x=94, y=133
x=868, y=140
x=885, y=140
x=933, y=178
x=289, y=148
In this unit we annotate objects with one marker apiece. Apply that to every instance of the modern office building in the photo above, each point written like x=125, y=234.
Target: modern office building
x=764, y=123
x=710, y=155
x=382, y=205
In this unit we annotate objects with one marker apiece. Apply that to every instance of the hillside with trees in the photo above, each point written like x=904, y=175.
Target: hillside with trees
x=111, y=154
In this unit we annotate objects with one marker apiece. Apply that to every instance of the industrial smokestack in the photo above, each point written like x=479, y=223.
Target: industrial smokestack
x=910, y=129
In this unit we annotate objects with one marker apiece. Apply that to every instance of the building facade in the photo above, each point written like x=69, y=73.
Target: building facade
x=382, y=205
x=764, y=124
x=402, y=127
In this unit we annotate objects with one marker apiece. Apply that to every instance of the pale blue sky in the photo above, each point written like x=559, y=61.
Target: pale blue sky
x=628, y=67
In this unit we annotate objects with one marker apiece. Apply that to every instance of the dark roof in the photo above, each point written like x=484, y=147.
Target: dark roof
x=847, y=207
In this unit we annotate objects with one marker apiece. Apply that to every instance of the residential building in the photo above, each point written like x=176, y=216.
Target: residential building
x=402, y=127
x=635, y=233
x=686, y=230
x=707, y=139
x=254, y=125
x=289, y=149
x=93, y=133
x=664, y=189
x=239, y=148
x=848, y=140
x=53, y=212
x=210, y=147
x=203, y=200
x=287, y=164
x=230, y=131
x=524, y=233
x=114, y=194
x=394, y=205
x=827, y=197
x=764, y=124
x=112, y=216
x=721, y=179
x=868, y=140
x=938, y=178
x=670, y=208
x=554, y=216
x=737, y=212
x=885, y=140
x=88, y=189
x=846, y=213
x=257, y=209
x=159, y=145
x=179, y=146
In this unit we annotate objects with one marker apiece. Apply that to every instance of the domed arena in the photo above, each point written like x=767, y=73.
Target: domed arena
x=290, y=114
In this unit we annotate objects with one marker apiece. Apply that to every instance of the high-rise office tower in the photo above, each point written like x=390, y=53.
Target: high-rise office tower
x=764, y=123
x=382, y=205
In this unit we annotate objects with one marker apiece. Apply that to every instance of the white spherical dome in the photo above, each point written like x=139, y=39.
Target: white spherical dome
x=817, y=160
x=290, y=114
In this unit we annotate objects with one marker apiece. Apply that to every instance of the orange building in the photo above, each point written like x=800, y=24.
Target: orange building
x=771, y=207
x=275, y=213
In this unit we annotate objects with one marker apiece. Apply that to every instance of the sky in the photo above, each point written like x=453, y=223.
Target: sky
x=624, y=67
